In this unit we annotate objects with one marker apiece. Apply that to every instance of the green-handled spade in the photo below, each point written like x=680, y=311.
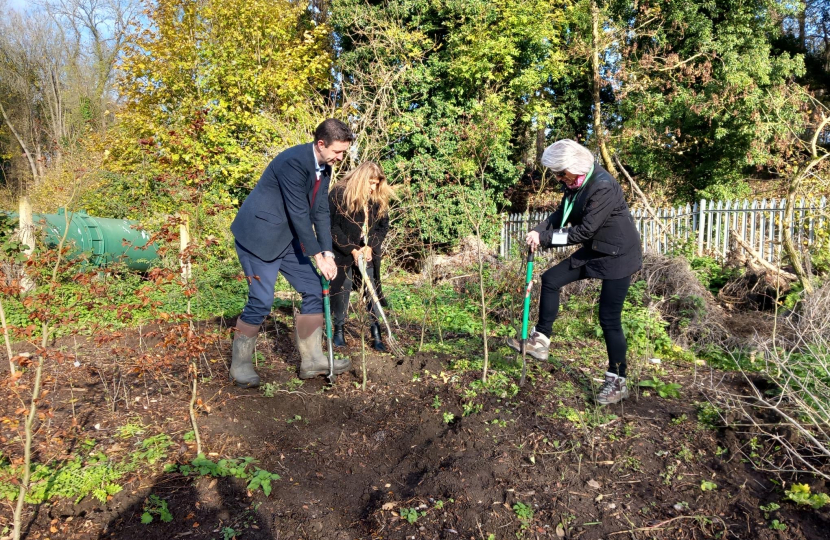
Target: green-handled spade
x=327, y=310
x=526, y=313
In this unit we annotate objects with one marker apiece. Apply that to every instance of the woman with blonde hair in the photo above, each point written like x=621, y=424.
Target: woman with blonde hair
x=359, y=206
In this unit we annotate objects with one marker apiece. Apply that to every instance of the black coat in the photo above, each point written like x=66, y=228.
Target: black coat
x=601, y=222
x=279, y=208
x=346, y=228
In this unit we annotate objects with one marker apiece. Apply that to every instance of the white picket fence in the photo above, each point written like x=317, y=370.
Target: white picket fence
x=706, y=226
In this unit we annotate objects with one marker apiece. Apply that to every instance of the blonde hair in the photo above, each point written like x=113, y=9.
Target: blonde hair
x=355, y=186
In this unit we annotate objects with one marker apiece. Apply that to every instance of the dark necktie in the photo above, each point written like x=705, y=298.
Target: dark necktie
x=316, y=187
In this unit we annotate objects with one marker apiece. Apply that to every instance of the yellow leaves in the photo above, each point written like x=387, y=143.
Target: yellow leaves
x=222, y=78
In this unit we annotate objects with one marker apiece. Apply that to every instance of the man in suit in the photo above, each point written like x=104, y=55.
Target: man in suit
x=280, y=226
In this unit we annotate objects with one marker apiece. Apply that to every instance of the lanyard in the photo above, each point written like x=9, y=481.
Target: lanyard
x=568, y=203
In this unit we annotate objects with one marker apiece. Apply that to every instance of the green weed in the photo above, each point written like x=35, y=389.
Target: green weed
x=589, y=418
x=242, y=468
x=411, y=515
x=768, y=509
x=268, y=389
x=708, y=415
x=156, y=506
x=664, y=390
x=524, y=513
x=95, y=474
x=800, y=494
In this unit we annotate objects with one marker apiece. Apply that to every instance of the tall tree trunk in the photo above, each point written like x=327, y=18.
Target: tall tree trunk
x=599, y=132
x=793, y=253
x=30, y=158
x=540, y=145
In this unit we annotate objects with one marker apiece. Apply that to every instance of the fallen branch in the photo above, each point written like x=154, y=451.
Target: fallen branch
x=757, y=258
x=642, y=196
x=660, y=526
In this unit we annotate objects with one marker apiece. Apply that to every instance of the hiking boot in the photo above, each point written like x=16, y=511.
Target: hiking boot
x=308, y=333
x=338, y=338
x=613, y=390
x=538, y=345
x=242, y=366
x=377, y=344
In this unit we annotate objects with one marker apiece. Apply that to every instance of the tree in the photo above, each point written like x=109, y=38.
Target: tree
x=207, y=87
x=56, y=67
x=97, y=30
x=692, y=80
x=443, y=58
x=791, y=138
x=33, y=55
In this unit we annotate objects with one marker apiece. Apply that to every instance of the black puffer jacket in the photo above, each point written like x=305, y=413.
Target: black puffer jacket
x=601, y=222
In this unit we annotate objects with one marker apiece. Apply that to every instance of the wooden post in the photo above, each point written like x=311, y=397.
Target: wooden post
x=26, y=234
x=184, y=241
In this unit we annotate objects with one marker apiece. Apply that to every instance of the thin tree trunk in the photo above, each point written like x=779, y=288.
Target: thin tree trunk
x=483, y=307
x=540, y=145
x=192, y=410
x=6, y=337
x=789, y=246
x=483, y=298
x=597, y=83
x=27, y=455
x=29, y=157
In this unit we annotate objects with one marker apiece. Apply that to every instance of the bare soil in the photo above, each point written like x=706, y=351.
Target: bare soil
x=351, y=460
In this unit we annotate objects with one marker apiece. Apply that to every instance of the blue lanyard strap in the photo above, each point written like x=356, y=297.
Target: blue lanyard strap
x=568, y=202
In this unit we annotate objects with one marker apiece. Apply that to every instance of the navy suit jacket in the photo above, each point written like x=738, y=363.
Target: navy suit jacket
x=279, y=208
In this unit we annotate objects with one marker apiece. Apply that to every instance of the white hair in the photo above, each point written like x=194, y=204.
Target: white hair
x=568, y=155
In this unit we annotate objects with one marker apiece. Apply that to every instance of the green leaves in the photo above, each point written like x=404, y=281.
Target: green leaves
x=155, y=506
x=800, y=494
x=210, y=87
x=695, y=79
x=664, y=390
x=411, y=515
x=446, y=95
x=242, y=468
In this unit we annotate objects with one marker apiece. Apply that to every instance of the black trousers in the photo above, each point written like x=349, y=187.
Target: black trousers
x=611, y=301
x=348, y=277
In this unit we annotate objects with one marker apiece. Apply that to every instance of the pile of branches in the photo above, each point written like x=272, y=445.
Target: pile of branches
x=761, y=284
x=675, y=291
x=788, y=405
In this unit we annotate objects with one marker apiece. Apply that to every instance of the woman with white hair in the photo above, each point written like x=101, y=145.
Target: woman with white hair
x=593, y=213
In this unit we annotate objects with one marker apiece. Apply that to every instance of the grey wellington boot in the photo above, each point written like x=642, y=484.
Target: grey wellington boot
x=242, y=365
x=308, y=332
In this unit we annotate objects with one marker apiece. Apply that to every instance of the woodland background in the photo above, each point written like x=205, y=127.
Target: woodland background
x=166, y=112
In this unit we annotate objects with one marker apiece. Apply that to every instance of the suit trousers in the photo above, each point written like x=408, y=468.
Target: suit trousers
x=262, y=276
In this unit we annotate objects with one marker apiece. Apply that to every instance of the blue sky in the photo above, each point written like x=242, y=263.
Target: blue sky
x=18, y=4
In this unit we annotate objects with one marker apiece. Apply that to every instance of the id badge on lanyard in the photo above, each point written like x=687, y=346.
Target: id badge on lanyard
x=568, y=203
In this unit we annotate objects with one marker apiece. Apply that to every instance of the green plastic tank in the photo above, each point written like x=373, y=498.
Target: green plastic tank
x=107, y=240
